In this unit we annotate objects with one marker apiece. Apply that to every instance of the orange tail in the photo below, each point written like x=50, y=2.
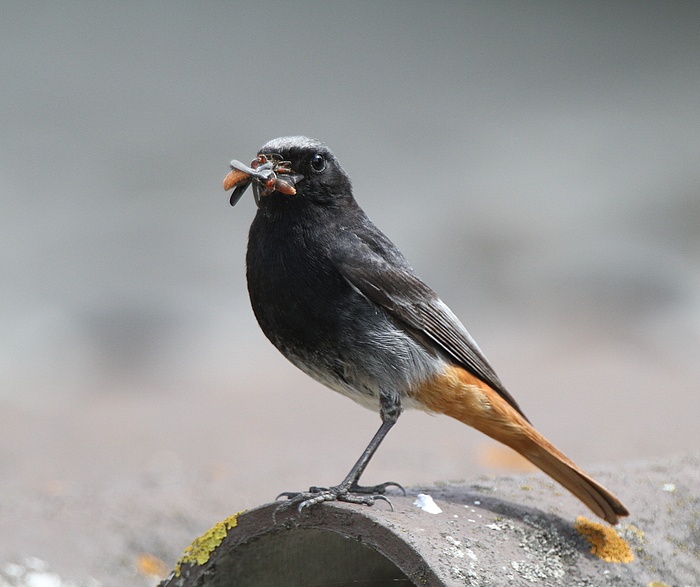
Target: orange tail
x=464, y=397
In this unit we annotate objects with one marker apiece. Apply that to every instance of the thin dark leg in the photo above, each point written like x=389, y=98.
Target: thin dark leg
x=359, y=467
x=348, y=489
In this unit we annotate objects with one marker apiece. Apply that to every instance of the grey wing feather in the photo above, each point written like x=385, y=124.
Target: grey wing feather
x=393, y=286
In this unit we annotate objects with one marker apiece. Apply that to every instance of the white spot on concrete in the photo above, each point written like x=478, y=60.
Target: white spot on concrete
x=427, y=504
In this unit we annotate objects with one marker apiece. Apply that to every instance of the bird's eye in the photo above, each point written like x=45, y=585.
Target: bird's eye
x=318, y=162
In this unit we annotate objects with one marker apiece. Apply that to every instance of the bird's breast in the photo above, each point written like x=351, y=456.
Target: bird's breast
x=323, y=325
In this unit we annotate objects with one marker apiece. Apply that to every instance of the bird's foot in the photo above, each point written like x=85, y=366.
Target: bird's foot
x=348, y=493
x=376, y=489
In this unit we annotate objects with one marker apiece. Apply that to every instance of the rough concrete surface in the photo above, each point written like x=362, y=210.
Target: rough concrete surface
x=491, y=533
x=516, y=530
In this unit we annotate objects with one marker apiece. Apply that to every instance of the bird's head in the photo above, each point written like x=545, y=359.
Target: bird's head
x=290, y=168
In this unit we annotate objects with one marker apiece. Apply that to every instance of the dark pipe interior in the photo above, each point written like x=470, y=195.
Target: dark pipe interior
x=307, y=558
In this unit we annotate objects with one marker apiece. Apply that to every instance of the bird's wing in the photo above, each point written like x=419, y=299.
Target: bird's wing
x=379, y=272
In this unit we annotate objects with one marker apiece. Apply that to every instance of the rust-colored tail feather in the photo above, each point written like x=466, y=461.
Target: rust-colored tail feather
x=464, y=397
x=542, y=453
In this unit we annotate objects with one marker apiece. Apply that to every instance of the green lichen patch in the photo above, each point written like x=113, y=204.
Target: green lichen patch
x=199, y=552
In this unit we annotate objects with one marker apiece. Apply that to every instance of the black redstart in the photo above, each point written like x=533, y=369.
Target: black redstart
x=341, y=302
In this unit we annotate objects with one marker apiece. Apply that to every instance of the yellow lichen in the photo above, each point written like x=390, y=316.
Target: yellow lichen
x=606, y=544
x=201, y=548
x=658, y=584
x=636, y=532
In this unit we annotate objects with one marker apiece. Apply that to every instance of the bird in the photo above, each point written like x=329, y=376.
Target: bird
x=338, y=299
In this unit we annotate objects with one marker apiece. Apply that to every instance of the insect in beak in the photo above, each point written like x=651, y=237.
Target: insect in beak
x=269, y=174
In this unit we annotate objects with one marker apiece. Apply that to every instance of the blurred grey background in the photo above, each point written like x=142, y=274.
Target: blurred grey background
x=539, y=164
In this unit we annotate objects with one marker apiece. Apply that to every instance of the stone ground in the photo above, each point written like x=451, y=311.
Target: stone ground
x=132, y=532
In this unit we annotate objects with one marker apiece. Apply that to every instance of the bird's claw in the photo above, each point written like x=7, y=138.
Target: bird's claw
x=353, y=494
x=376, y=489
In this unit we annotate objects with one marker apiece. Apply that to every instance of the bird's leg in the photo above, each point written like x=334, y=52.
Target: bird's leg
x=349, y=490
x=390, y=414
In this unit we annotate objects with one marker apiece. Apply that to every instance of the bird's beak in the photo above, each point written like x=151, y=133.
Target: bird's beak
x=268, y=177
